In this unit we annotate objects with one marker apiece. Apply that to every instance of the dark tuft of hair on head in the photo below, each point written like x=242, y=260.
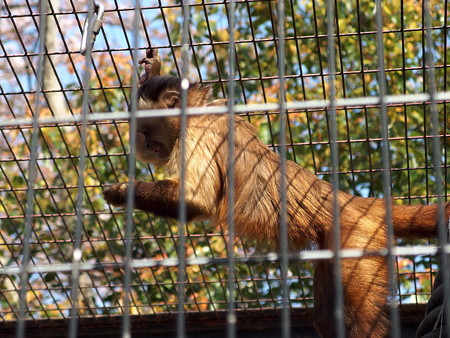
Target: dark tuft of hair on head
x=154, y=86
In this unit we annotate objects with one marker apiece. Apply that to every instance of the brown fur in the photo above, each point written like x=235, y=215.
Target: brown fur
x=257, y=202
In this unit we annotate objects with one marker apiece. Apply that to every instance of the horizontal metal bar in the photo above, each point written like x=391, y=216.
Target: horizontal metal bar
x=297, y=105
x=238, y=42
x=217, y=81
x=271, y=257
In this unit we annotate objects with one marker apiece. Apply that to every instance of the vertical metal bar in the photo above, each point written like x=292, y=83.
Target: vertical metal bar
x=2, y=8
x=32, y=174
x=339, y=301
x=182, y=205
x=231, y=312
x=129, y=225
x=393, y=302
x=284, y=241
x=77, y=250
x=439, y=181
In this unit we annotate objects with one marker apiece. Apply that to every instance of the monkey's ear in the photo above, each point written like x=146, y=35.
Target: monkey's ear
x=170, y=99
x=199, y=95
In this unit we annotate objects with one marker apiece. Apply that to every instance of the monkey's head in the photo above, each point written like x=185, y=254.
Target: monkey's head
x=161, y=92
x=157, y=136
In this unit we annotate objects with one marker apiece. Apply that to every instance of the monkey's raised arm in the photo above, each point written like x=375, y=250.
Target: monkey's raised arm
x=152, y=65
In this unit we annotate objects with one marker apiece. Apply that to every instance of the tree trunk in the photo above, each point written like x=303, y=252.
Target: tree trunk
x=56, y=100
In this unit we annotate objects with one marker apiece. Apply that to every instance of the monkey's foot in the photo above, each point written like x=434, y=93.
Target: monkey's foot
x=152, y=65
x=116, y=194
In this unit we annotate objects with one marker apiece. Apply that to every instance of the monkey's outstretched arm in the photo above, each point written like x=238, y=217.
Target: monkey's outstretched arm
x=161, y=198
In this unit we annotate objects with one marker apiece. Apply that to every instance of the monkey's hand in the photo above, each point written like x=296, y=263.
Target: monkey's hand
x=116, y=194
x=152, y=65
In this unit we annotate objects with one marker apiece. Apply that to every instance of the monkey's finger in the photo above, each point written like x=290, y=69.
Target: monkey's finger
x=155, y=53
x=149, y=60
x=151, y=54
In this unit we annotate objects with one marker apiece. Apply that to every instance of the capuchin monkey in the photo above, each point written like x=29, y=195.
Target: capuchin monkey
x=257, y=201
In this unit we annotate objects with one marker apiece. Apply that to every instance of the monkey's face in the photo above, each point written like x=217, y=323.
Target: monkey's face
x=156, y=138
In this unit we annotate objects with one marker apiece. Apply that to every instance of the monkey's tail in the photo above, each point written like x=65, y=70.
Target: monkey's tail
x=411, y=221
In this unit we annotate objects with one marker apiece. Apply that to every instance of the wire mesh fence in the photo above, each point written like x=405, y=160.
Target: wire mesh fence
x=319, y=85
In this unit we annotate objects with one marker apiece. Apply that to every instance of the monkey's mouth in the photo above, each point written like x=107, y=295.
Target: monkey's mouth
x=158, y=149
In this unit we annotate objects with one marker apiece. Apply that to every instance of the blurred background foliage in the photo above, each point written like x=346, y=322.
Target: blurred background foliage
x=257, y=285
